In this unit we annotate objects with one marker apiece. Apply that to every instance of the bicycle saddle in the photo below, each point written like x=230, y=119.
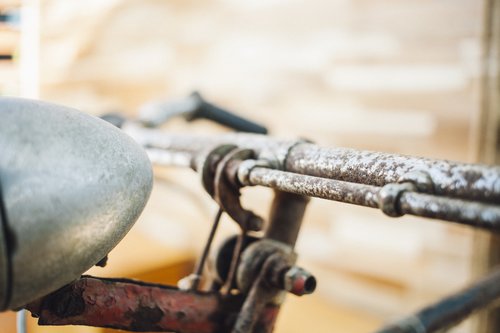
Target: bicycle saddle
x=71, y=186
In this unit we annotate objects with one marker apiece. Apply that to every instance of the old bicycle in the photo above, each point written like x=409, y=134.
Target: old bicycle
x=255, y=268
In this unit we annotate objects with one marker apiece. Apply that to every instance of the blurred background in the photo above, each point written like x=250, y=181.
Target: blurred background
x=411, y=77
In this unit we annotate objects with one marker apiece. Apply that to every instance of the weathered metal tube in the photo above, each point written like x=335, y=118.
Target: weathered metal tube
x=143, y=307
x=259, y=296
x=285, y=220
x=419, y=204
x=450, y=187
x=451, y=310
x=357, y=194
x=474, y=214
x=459, y=180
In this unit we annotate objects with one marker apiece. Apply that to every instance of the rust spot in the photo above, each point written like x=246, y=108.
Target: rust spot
x=66, y=302
x=180, y=315
x=145, y=318
x=472, y=176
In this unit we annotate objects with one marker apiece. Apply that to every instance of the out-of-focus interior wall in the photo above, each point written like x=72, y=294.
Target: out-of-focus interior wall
x=381, y=75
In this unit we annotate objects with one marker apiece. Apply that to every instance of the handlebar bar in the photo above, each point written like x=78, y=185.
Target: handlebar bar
x=260, y=270
x=397, y=184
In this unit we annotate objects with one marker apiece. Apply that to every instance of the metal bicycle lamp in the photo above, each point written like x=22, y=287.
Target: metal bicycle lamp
x=71, y=186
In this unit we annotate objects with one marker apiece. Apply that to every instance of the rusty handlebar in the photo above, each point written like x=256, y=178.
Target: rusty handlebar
x=297, y=169
x=397, y=184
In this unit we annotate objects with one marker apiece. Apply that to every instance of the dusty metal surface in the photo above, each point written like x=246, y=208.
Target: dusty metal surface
x=396, y=184
x=259, y=296
x=474, y=214
x=265, y=271
x=451, y=310
x=172, y=147
x=393, y=199
x=224, y=189
x=253, y=258
x=285, y=218
x=358, y=194
x=460, y=180
x=72, y=186
x=267, y=268
x=272, y=272
x=467, y=181
x=220, y=181
x=141, y=307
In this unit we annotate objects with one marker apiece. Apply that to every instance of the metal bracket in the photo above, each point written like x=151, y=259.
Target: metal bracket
x=390, y=194
x=218, y=165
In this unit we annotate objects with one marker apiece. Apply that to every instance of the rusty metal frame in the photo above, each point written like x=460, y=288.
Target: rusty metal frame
x=397, y=184
x=452, y=179
x=141, y=307
x=393, y=199
x=265, y=271
x=296, y=170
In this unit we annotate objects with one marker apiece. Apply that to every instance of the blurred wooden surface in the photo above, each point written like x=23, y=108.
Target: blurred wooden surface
x=10, y=38
x=487, y=247
x=6, y=4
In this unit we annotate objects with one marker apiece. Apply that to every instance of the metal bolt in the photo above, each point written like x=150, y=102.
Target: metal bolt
x=299, y=282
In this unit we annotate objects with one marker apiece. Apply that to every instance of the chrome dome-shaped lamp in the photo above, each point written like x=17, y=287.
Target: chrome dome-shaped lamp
x=71, y=186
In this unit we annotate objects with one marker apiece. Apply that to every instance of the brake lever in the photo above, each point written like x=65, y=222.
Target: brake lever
x=193, y=107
